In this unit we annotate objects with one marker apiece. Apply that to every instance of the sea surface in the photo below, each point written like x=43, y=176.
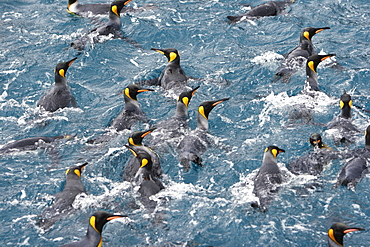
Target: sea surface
x=205, y=206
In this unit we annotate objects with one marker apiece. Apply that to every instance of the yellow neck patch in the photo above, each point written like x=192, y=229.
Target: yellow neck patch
x=131, y=141
x=274, y=152
x=93, y=223
x=350, y=103
x=62, y=73
x=78, y=173
x=67, y=171
x=341, y=104
x=100, y=244
x=127, y=93
x=185, y=100
x=173, y=56
x=307, y=35
x=311, y=65
x=144, y=162
x=201, y=111
x=115, y=10
x=266, y=149
x=331, y=236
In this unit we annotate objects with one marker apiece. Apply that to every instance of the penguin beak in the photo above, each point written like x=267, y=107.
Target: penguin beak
x=71, y=61
x=219, y=101
x=321, y=29
x=127, y=2
x=115, y=217
x=353, y=230
x=83, y=166
x=194, y=90
x=158, y=50
x=148, y=132
x=281, y=151
x=144, y=90
x=327, y=56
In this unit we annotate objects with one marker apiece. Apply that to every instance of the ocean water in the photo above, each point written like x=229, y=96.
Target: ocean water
x=206, y=206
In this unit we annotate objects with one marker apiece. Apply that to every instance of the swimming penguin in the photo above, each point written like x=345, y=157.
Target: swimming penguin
x=133, y=164
x=193, y=145
x=169, y=131
x=112, y=28
x=148, y=184
x=62, y=205
x=93, y=236
x=341, y=126
x=314, y=162
x=131, y=113
x=268, y=179
x=172, y=76
x=337, y=232
x=296, y=58
x=59, y=96
x=357, y=167
x=311, y=67
x=270, y=8
x=88, y=10
x=31, y=143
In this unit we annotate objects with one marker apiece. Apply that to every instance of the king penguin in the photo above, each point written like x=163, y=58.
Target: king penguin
x=341, y=126
x=337, y=232
x=268, y=179
x=314, y=162
x=133, y=164
x=270, y=8
x=296, y=58
x=148, y=184
x=169, y=131
x=112, y=28
x=31, y=143
x=93, y=236
x=311, y=67
x=59, y=96
x=172, y=75
x=357, y=167
x=193, y=145
x=131, y=113
x=62, y=205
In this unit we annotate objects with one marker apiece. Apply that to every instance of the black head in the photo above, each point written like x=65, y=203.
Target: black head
x=143, y=157
x=100, y=218
x=309, y=32
x=61, y=69
x=314, y=60
x=206, y=107
x=117, y=6
x=274, y=150
x=132, y=90
x=367, y=136
x=316, y=141
x=338, y=230
x=75, y=170
x=185, y=97
x=171, y=54
x=345, y=104
x=137, y=137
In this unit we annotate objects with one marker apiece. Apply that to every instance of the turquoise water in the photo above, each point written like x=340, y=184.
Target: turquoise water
x=208, y=205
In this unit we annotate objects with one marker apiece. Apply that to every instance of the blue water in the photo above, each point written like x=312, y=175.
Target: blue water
x=205, y=206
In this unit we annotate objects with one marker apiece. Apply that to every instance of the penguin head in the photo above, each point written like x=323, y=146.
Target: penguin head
x=171, y=54
x=309, y=32
x=132, y=90
x=143, y=157
x=100, y=218
x=137, y=137
x=316, y=141
x=314, y=60
x=206, y=107
x=338, y=230
x=75, y=170
x=117, y=6
x=185, y=97
x=274, y=150
x=345, y=104
x=61, y=69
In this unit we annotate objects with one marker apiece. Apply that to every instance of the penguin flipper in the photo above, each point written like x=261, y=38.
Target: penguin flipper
x=233, y=19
